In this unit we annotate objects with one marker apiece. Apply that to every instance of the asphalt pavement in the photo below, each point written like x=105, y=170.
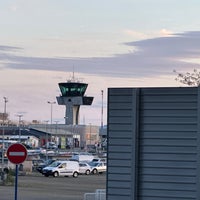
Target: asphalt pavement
x=37, y=187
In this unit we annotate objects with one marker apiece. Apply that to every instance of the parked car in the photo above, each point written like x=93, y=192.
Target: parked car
x=50, y=145
x=36, y=163
x=99, y=160
x=84, y=168
x=103, y=154
x=98, y=167
x=62, y=168
x=44, y=164
x=82, y=157
x=91, y=148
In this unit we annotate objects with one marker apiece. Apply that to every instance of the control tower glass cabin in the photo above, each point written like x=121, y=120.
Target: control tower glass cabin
x=72, y=97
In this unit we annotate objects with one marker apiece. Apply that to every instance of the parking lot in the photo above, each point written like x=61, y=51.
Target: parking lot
x=37, y=187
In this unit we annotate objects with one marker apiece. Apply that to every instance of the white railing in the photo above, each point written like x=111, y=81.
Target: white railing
x=99, y=194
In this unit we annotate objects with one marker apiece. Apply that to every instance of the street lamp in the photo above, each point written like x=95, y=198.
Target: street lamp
x=102, y=110
x=56, y=138
x=20, y=116
x=90, y=133
x=53, y=102
x=3, y=133
x=46, y=138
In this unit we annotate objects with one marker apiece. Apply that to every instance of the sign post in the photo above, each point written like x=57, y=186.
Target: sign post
x=16, y=154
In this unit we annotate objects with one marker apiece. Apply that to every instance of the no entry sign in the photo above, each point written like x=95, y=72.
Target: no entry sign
x=17, y=153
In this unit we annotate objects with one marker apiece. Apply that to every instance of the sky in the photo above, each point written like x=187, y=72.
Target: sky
x=115, y=43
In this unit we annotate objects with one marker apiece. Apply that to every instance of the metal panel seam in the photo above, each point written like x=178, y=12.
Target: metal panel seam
x=198, y=146
x=135, y=110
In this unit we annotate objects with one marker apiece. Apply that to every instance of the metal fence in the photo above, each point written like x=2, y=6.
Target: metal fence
x=99, y=194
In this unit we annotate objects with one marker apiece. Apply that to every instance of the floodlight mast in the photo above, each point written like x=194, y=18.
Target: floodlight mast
x=20, y=116
x=3, y=136
x=51, y=103
x=101, y=108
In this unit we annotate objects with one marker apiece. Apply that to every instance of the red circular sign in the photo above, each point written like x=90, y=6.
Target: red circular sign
x=17, y=153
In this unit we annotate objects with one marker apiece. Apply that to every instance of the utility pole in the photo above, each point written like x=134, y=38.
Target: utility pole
x=46, y=138
x=90, y=134
x=20, y=116
x=53, y=102
x=102, y=110
x=56, y=138
x=3, y=134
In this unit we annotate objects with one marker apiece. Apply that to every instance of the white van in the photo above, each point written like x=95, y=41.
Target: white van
x=82, y=157
x=62, y=168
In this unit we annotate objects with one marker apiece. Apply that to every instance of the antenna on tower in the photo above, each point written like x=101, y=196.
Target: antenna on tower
x=72, y=77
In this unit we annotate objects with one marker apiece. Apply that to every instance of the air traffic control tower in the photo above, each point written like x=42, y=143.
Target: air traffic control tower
x=72, y=96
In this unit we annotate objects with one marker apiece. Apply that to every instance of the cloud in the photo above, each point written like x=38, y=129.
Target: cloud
x=13, y=8
x=156, y=56
x=29, y=82
x=165, y=32
x=9, y=48
x=135, y=34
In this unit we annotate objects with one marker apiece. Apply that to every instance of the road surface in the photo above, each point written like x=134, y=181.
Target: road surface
x=38, y=187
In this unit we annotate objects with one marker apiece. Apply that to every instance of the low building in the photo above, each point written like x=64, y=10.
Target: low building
x=68, y=136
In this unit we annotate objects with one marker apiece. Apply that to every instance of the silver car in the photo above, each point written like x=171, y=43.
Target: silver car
x=98, y=167
x=84, y=168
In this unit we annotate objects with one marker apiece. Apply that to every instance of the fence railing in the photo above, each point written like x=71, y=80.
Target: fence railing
x=99, y=194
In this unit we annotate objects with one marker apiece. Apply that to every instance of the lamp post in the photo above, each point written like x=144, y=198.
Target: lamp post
x=51, y=103
x=102, y=110
x=46, y=138
x=3, y=133
x=20, y=116
x=90, y=133
x=72, y=136
x=56, y=132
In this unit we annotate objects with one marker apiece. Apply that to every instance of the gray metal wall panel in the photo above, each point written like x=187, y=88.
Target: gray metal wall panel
x=122, y=145
x=198, y=149
x=168, y=141
x=171, y=115
x=118, y=197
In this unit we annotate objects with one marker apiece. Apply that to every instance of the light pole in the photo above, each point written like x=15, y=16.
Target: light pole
x=72, y=135
x=56, y=132
x=90, y=133
x=102, y=110
x=20, y=116
x=51, y=103
x=3, y=133
x=46, y=138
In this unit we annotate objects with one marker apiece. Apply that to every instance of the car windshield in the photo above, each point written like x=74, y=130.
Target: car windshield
x=93, y=164
x=48, y=162
x=55, y=164
x=95, y=160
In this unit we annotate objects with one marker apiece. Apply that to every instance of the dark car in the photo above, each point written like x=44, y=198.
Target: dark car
x=36, y=163
x=45, y=164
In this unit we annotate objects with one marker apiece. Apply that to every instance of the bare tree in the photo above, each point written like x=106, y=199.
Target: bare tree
x=191, y=79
